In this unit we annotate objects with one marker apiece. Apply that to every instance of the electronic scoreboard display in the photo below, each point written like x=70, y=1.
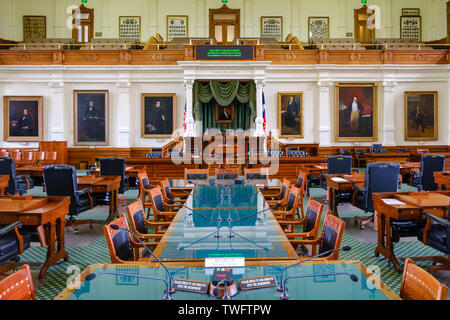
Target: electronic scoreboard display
x=208, y=52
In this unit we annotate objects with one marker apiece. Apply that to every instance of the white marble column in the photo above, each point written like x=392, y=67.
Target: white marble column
x=55, y=114
x=325, y=136
x=122, y=112
x=259, y=132
x=190, y=130
x=448, y=114
x=389, y=113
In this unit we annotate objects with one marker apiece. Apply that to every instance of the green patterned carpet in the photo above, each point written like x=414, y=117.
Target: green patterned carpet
x=89, y=247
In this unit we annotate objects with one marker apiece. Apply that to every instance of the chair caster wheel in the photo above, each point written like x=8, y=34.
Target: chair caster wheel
x=91, y=226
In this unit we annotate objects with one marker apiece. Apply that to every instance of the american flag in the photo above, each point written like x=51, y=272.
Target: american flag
x=184, y=116
x=264, y=112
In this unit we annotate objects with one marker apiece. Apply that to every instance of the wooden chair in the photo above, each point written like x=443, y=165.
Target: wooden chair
x=4, y=153
x=198, y=176
x=39, y=156
x=16, y=155
x=282, y=197
x=50, y=157
x=417, y=284
x=18, y=286
x=289, y=211
x=28, y=156
x=256, y=176
x=139, y=224
x=310, y=223
x=302, y=183
x=144, y=191
x=330, y=238
x=122, y=248
x=172, y=195
x=161, y=212
x=226, y=175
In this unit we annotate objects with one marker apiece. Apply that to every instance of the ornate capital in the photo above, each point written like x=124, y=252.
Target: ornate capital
x=57, y=86
x=389, y=85
x=189, y=84
x=260, y=83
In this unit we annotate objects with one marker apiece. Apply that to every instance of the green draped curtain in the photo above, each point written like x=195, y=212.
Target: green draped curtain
x=243, y=94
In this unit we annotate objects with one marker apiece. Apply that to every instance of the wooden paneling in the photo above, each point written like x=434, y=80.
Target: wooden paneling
x=170, y=57
x=59, y=146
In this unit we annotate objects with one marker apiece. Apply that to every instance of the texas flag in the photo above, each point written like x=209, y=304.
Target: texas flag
x=264, y=112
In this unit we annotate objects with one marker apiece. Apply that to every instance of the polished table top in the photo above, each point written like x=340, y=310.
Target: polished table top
x=255, y=233
x=123, y=285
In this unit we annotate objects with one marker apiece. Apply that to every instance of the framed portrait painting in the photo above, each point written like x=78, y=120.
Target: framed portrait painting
x=356, y=112
x=23, y=118
x=158, y=114
x=91, y=117
x=290, y=114
x=130, y=27
x=224, y=114
x=421, y=112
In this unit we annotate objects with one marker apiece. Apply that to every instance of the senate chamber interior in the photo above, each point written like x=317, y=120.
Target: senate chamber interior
x=224, y=150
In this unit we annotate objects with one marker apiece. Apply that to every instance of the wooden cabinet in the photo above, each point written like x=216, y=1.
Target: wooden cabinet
x=224, y=24
x=363, y=32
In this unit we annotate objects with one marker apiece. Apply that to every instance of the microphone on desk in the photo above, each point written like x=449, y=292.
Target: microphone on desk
x=216, y=291
x=116, y=227
x=285, y=296
x=167, y=296
x=281, y=287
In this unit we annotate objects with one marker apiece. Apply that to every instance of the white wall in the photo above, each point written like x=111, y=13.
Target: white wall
x=153, y=16
x=126, y=83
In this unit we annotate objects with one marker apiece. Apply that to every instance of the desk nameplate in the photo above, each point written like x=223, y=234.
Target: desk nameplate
x=191, y=285
x=257, y=282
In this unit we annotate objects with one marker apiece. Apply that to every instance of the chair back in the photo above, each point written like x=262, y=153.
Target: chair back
x=50, y=155
x=197, y=176
x=16, y=155
x=8, y=168
x=28, y=156
x=302, y=179
x=39, y=155
x=136, y=218
x=380, y=177
x=344, y=152
x=157, y=199
x=429, y=164
x=118, y=241
x=376, y=148
x=18, y=286
x=114, y=167
x=60, y=180
x=292, y=201
x=313, y=216
x=417, y=284
x=144, y=183
x=284, y=191
x=4, y=153
x=167, y=191
x=331, y=237
x=340, y=164
x=256, y=176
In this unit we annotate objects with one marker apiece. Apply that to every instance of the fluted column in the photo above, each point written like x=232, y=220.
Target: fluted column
x=190, y=130
x=55, y=114
x=122, y=111
x=389, y=113
x=325, y=136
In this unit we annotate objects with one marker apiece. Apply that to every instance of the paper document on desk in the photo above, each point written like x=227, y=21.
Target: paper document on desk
x=393, y=201
x=339, y=179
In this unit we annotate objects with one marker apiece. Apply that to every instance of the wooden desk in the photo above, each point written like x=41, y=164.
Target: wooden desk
x=4, y=182
x=130, y=171
x=408, y=167
x=347, y=183
x=442, y=179
x=395, y=157
x=33, y=170
x=410, y=208
x=49, y=212
x=103, y=184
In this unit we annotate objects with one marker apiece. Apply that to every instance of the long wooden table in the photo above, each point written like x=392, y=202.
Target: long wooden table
x=4, y=181
x=48, y=212
x=103, y=184
x=404, y=207
x=387, y=157
x=442, y=179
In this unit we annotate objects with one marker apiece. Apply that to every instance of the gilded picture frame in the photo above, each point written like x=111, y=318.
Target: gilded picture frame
x=23, y=118
x=360, y=124
x=34, y=27
x=421, y=115
x=224, y=114
x=158, y=120
x=91, y=117
x=177, y=23
x=290, y=115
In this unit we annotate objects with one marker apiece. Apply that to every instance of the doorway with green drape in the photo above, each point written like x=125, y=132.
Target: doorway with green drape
x=240, y=93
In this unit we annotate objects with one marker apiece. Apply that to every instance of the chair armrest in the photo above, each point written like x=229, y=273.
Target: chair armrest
x=359, y=188
x=10, y=227
x=149, y=223
x=23, y=177
x=439, y=220
x=313, y=242
x=84, y=191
